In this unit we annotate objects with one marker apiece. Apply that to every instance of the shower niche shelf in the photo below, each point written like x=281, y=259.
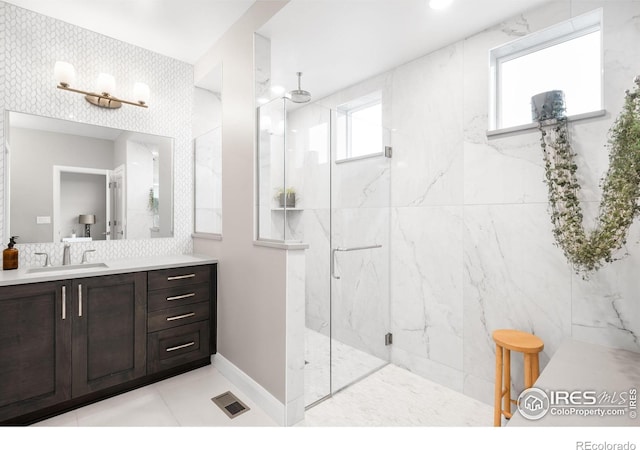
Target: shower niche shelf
x=288, y=209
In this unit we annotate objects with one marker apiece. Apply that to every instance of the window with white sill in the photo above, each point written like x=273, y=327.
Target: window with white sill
x=566, y=57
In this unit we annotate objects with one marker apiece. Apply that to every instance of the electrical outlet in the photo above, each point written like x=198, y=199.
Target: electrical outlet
x=42, y=220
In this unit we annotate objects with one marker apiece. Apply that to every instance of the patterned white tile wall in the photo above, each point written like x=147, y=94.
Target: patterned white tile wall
x=31, y=43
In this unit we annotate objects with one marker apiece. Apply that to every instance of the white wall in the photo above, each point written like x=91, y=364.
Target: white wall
x=252, y=286
x=31, y=44
x=32, y=184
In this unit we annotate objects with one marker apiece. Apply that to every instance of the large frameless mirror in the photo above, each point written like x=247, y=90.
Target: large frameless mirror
x=73, y=182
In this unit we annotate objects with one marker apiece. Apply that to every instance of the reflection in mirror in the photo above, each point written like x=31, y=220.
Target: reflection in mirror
x=207, y=130
x=69, y=181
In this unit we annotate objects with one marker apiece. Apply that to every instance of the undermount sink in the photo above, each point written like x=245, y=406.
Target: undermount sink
x=67, y=268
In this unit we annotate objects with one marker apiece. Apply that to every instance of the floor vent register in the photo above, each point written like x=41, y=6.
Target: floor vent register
x=230, y=404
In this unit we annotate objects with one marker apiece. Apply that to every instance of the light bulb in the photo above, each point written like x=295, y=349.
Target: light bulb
x=141, y=92
x=439, y=4
x=106, y=84
x=64, y=73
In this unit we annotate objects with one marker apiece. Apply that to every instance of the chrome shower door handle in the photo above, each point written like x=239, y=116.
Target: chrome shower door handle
x=348, y=249
x=352, y=249
x=333, y=263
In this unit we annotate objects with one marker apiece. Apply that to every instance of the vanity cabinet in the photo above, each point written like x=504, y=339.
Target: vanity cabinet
x=179, y=317
x=62, y=340
x=109, y=331
x=67, y=343
x=35, y=348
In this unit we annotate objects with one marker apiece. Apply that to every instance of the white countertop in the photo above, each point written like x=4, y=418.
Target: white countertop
x=21, y=275
x=579, y=366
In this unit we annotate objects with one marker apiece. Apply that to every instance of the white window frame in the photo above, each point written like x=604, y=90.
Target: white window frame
x=556, y=34
x=348, y=110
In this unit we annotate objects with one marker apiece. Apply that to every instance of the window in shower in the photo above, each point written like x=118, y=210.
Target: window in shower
x=359, y=128
x=566, y=56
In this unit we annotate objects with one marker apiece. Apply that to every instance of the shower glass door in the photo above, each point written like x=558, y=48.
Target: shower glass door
x=360, y=238
x=342, y=213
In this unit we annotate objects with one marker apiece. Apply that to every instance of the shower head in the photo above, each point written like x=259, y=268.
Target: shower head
x=298, y=95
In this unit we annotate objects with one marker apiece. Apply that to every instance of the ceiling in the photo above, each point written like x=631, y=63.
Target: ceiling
x=180, y=29
x=335, y=43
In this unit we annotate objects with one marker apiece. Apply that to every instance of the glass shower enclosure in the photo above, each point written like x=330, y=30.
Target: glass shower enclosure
x=311, y=191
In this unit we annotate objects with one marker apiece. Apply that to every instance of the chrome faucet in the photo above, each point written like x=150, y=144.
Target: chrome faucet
x=66, y=254
x=47, y=263
x=84, y=256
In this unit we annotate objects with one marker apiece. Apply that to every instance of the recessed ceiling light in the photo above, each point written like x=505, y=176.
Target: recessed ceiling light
x=439, y=4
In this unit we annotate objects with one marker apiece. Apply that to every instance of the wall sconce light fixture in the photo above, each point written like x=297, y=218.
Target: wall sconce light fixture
x=106, y=84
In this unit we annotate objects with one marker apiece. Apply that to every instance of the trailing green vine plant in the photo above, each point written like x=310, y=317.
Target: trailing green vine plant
x=587, y=252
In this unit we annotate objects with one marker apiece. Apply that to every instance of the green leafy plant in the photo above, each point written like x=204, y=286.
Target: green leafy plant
x=286, y=197
x=619, y=206
x=287, y=191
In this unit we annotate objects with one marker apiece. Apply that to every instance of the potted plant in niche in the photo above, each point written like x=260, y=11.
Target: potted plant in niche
x=286, y=197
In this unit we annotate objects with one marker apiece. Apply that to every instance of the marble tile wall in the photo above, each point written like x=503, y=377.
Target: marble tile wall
x=32, y=43
x=139, y=172
x=513, y=274
x=471, y=243
x=295, y=337
x=271, y=175
x=208, y=173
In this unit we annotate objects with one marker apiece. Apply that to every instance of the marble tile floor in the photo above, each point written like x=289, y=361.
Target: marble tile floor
x=349, y=365
x=183, y=400
x=394, y=396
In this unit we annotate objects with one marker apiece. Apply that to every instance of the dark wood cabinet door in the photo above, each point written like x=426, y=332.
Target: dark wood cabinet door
x=109, y=331
x=35, y=347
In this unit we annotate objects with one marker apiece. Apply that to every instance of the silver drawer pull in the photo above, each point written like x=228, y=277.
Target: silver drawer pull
x=79, y=300
x=64, y=302
x=180, y=297
x=181, y=277
x=178, y=347
x=183, y=316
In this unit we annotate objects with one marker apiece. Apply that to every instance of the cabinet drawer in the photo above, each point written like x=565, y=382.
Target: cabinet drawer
x=176, y=346
x=175, y=317
x=182, y=276
x=178, y=296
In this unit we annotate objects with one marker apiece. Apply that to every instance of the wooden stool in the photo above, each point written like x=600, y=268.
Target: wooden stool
x=518, y=341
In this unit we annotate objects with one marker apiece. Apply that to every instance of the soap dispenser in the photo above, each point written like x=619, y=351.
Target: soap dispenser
x=10, y=255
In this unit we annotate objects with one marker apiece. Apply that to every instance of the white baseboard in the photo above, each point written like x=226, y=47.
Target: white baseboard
x=259, y=395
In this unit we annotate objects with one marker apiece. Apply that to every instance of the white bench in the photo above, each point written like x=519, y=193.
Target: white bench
x=579, y=366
